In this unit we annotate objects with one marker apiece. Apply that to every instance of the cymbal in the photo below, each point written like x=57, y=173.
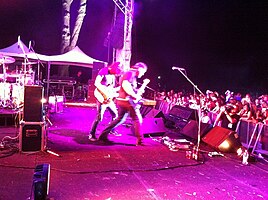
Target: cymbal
x=6, y=59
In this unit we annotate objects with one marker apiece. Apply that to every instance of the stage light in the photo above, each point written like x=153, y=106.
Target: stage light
x=224, y=145
x=41, y=181
x=43, y=100
x=223, y=139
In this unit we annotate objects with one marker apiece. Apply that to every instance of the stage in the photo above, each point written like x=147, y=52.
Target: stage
x=81, y=169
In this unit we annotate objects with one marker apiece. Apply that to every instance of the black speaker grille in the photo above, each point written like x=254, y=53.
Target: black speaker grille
x=183, y=113
x=33, y=106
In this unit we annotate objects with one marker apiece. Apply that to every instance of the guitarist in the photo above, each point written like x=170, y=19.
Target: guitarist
x=129, y=95
x=104, y=82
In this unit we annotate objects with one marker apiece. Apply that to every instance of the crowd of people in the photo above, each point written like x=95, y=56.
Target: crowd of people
x=218, y=109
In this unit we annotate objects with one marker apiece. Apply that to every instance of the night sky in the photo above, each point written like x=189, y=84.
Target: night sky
x=221, y=44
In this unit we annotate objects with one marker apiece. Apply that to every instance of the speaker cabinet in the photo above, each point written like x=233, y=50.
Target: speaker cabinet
x=33, y=106
x=183, y=113
x=154, y=113
x=97, y=66
x=41, y=180
x=153, y=127
x=191, y=129
x=222, y=139
x=32, y=136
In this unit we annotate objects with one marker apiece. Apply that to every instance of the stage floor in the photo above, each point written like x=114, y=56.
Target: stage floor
x=90, y=170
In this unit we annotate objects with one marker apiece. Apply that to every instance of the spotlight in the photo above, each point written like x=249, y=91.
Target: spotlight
x=43, y=100
x=41, y=181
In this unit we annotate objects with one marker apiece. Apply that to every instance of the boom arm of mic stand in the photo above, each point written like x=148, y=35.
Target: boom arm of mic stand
x=195, y=86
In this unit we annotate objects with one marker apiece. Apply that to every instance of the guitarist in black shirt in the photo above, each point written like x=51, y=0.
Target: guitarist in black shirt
x=127, y=101
x=105, y=92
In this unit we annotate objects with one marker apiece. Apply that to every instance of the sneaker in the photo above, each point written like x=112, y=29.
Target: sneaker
x=115, y=133
x=105, y=140
x=92, y=138
x=139, y=143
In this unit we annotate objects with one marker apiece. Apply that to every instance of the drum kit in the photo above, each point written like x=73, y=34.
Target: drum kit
x=12, y=82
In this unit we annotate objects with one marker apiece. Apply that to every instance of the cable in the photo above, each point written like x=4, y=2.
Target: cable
x=8, y=146
x=110, y=171
x=127, y=170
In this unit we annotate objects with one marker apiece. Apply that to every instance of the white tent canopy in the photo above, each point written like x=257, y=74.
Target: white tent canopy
x=20, y=50
x=15, y=50
x=74, y=57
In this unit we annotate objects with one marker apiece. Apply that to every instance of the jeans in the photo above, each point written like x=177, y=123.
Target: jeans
x=100, y=112
x=125, y=109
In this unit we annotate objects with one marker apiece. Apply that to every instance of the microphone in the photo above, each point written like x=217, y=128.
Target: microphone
x=178, y=68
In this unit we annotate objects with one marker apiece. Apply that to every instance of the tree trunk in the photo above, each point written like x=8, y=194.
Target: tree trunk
x=68, y=42
x=66, y=29
x=78, y=22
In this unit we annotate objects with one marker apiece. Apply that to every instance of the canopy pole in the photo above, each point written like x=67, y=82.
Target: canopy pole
x=48, y=80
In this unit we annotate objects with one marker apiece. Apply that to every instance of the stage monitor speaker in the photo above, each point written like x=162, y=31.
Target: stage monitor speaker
x=154, y=113
x=222, y=139
x=41, y=179
x=32, y=136
x=183, y=113
x=33, y=106
x=191, y=129
x=153, y=127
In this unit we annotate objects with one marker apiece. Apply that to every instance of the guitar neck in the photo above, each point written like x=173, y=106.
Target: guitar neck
x=143, y=86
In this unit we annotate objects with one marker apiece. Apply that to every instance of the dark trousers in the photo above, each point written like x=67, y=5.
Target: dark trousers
x=98, y=118
x=125, y=109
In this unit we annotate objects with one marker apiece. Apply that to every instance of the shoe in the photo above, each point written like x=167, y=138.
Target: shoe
x=139, y=143
x=92, y=138
x=115, y=133
x=105, y=140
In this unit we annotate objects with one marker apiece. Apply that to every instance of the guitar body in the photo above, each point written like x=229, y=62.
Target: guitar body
x=107, y=96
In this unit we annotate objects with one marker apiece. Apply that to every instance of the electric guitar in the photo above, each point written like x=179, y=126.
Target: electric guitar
x=106, y=96
x=136, y=102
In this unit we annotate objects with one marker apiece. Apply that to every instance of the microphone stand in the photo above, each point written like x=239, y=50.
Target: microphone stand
x=154, y=91
x=195, y=153
x=26, y=60
x=38, y=65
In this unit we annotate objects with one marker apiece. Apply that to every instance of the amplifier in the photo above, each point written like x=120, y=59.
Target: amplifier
x=32, y=136
x=56, y=104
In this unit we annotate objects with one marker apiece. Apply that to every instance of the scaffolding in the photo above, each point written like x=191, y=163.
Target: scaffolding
x=124, y=55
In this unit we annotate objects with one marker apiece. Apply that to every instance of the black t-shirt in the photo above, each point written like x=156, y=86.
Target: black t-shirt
x=107, y=78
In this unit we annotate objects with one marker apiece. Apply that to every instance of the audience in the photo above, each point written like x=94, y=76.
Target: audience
x=225, y=110
x=246, y=107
